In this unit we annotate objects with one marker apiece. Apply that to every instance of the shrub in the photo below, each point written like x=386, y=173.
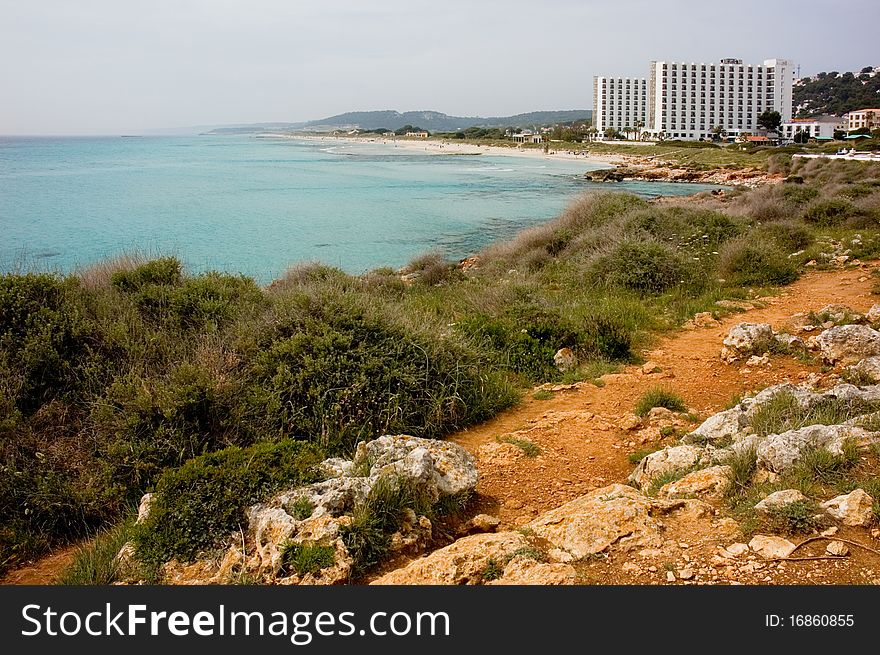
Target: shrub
x=433, y=269
x=146, y=424
x=787, y=236
x=744, y=262
x=368, y=536
x=200, y=503
x=659, y=397
x=830, y=212
x=644, y=266
x=607, y=338
x=334, y=370
x=306, y=558
x=301, y=508
x=799, y=194
x=165, y=271
x=43, y=338
x=798, y=517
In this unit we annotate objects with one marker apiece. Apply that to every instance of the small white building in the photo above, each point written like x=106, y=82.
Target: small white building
x=527, y=136
x=821, y=128
x=418, y=135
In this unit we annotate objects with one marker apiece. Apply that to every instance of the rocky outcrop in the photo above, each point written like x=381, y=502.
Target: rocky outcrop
x=466, y=561
x=591, y=523
x=313, y=515
x=669, y=460
x=721, y=427
x=868, y=369
x=565, y=359
x=779, y=499
x=854, y=508
x=847, y=344
x=746, y=339
x=708, y=482
x=778, y=452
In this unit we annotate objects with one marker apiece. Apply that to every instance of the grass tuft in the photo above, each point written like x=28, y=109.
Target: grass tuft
x=659, y=397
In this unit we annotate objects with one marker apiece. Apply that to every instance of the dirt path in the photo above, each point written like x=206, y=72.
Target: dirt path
x=582, y=431
x=42, y=572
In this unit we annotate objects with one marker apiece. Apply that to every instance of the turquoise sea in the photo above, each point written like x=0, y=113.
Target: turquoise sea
x=258, y=205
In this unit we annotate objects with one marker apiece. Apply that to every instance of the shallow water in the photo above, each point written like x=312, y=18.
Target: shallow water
x=257, y=205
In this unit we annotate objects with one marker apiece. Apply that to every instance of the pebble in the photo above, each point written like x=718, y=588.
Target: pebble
x=670, y=576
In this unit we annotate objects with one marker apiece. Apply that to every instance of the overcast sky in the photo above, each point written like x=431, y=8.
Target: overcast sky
x=125, y=66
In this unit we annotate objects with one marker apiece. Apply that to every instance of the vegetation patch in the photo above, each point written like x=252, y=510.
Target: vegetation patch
x=659, y=397
x=197, y=505
x=528, y=447
x=97, y=562
x=307, y=557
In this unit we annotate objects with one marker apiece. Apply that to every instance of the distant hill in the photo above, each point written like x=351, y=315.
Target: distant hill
x=432, y=121
x=837, y=93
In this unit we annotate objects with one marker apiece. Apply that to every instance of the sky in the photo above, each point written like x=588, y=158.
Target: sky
x=130, y=66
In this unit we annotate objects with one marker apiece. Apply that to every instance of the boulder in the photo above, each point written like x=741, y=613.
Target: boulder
x=565, y=359
x=847, y=344
x=779, y=499
x=873, y=314
x=789, y=343
x=589, y=524
x=746, y=339
x=483, y=523
x=837, y=549
x=778, y=452
x=837, y=313
x=722, y=426
x=442, y=467
x=668, y=460
x=712, y=481
x=854, y=508
x=462, y=562
x=867, y=369
x=771, y=547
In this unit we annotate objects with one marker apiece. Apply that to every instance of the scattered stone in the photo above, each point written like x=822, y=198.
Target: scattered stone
x=660, y=414
x=565, y=359
x=763, y=360
x=847, y=344
x=701, y=320
x=737, y=549
x=771, y=547
x=499, y=453
x=873, y=314
x=712, y=481
x=830, y=532
x=650, y=367
x=854, y=508
x=746, y=339
x=779, y=499
x=790, y=343
x=837, y=548
x=686, y=574
x=630, y=422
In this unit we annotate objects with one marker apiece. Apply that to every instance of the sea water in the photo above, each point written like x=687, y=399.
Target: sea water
x=258, y=205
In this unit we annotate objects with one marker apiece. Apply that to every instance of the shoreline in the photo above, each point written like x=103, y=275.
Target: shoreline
x=629, y=167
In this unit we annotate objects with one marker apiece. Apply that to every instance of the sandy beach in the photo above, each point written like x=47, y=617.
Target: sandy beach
x=446, y=147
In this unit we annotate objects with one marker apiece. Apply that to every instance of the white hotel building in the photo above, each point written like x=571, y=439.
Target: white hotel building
x=686, y=101
x=620, y=102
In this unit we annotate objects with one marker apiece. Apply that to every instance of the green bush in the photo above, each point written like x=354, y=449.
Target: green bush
x=799, y=194
x=659, y=397
x=165, y=271
x=203, y=501
x=830, y=212
x=96, y=562
x=789, y=237
x=43, y=338
x=744, y=261
x=644, y=266
x=606, y=338
x=146, y=425
x=333, y=370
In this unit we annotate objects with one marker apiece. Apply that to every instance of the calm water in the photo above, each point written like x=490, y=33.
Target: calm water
x=256, y=206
